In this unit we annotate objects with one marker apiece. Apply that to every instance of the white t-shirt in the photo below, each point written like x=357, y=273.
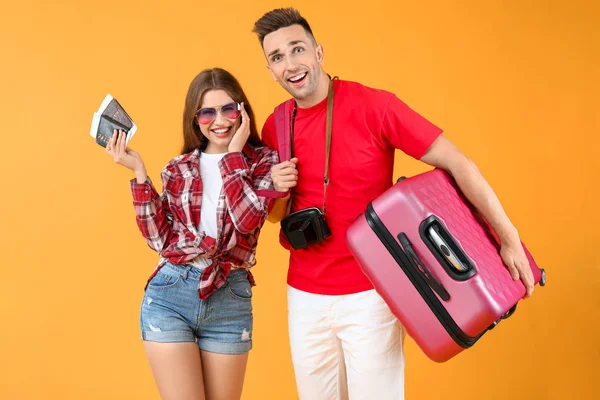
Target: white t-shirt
x=212, y=182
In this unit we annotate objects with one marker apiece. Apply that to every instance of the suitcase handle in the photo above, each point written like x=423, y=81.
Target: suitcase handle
x=446, y=249
x=421, y=268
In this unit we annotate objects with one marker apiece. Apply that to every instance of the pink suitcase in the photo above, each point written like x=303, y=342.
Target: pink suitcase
x=436, y=263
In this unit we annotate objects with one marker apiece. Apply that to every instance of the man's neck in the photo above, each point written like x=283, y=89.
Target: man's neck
x=319, y=95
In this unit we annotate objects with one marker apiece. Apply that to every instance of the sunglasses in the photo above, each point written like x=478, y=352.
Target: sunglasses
x=207, y=115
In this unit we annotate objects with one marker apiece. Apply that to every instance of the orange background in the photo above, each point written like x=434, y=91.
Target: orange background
x=513, y=83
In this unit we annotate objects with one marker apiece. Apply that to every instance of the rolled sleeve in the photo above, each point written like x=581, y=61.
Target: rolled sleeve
x=142, y=192
x=233, y=162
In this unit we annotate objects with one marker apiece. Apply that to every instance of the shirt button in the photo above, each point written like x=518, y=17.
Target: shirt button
x=145, y=191
x=186, y=174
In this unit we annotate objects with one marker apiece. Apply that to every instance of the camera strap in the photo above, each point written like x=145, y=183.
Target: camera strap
x=328, y=128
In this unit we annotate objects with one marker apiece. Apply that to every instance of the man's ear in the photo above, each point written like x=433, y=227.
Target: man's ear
x=320, y=54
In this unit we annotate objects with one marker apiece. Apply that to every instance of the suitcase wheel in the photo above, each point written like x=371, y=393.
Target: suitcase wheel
x=510, y=312
x=543, y=280
x=401, y=179
x=504, y=316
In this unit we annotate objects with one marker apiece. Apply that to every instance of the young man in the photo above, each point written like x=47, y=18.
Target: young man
x=345, y=341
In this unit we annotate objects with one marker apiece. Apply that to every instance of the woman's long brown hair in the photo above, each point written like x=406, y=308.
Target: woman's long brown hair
x=212, y=79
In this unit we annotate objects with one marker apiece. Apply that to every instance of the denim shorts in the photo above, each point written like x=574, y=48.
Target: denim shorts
x=172, y=312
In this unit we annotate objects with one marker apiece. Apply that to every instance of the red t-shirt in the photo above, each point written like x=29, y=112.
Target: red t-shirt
x=368, y=124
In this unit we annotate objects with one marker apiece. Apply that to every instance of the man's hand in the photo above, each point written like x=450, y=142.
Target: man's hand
x=285, y=175
x=516, y=261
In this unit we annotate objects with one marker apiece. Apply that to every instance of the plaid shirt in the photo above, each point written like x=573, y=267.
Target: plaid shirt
x=169, y=222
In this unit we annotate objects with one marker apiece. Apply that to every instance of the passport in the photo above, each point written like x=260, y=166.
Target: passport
x=110, y=116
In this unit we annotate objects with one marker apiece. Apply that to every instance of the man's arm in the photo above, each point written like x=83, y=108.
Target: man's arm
x=445, y=155
x=278, y=211
x=285, y=177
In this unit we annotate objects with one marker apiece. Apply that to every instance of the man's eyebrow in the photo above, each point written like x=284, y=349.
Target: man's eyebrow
x=273, y=52
x=290, y=44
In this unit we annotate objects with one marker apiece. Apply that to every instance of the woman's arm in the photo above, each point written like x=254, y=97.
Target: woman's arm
x=248, y=211
x=152, y=212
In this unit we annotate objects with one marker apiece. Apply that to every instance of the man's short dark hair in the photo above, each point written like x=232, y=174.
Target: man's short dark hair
x=280, y=18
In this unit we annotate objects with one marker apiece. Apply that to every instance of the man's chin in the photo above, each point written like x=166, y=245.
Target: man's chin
x=298, y=93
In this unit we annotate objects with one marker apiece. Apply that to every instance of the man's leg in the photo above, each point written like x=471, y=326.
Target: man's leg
x=316, y=351
x=372, y=340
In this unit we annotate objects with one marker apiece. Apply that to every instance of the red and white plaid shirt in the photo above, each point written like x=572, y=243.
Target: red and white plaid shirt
x=169, y=222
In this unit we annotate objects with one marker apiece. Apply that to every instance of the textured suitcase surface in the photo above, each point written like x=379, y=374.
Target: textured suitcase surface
x=442, y=325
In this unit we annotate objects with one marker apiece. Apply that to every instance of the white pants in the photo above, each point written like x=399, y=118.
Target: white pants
x=345, y=347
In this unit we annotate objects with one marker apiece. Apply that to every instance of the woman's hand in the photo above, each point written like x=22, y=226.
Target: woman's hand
x=241, y=135
x=126, y=157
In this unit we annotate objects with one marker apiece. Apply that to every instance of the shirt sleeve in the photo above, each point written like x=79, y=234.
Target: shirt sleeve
x=152, y=213
x=248, y=211
x=406, y=130
x=268, y=134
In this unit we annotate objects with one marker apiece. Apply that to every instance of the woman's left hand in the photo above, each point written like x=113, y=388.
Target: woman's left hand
x=241, y=135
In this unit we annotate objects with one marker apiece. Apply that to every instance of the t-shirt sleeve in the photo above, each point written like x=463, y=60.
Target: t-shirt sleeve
x=268, y=134
x=406, y=130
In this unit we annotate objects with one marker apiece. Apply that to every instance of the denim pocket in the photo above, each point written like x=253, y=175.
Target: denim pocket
x=240, y=289
x=164, y=280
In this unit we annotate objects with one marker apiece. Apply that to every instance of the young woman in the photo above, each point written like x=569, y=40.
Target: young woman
x=196, y=315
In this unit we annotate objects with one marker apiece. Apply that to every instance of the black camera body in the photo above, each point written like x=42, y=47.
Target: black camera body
x=305, y=227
